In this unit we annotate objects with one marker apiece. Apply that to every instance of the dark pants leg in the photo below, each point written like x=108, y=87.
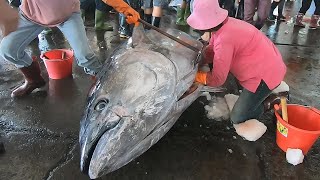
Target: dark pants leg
x=85, y=4
x=317, y=10
x=101, y=6
x=249, y=10
x=240, y=10
x=229, y=6
x=280, y=7
x=250, y=105
x=274, y=4
x=263, y=12
x=305, y=6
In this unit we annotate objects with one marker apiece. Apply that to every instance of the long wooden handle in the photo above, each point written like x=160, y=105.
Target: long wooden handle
x=170, y=36
x=284, y=109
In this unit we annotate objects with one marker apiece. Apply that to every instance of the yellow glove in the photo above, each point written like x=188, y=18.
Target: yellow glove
x=122, y=7
x=201, y=77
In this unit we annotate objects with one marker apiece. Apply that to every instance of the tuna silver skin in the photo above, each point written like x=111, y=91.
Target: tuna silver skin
x=136, y=99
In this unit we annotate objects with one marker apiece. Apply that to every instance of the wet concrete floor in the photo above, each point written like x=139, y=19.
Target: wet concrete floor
x=40, y=131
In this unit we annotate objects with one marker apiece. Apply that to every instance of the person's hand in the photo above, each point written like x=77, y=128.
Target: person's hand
x=122, y=7
x=132, y=16
x=9, y=19
x=201, y=77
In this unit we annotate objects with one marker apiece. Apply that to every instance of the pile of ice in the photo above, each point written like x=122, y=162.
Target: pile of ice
x=294, y=156
x=250, y=130
x=219, y=108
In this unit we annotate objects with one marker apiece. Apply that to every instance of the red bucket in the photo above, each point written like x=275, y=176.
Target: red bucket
x=302, y=129
x=58, y=63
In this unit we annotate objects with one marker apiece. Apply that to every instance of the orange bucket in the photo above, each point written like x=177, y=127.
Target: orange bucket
x=302, y=129
x=58, y=63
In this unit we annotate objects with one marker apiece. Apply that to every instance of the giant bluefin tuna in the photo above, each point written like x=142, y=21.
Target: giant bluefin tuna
x=139, y=95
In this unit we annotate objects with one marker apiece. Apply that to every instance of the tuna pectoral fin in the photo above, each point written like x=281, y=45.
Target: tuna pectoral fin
x=190, y=90
x=195, y=86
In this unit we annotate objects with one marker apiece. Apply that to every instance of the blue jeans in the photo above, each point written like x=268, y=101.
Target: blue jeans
x=250, y=105
x=152, y=3
x=12, y=47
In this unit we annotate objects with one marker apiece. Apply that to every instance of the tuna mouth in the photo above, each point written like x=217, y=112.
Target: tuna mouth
x=86, y=161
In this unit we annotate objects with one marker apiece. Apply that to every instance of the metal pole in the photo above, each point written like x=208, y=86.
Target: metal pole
x=170, y=36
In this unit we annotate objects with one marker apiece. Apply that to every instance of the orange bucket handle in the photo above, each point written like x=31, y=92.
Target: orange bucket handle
x=55, y=60
x=277, y=107
x=43, y=56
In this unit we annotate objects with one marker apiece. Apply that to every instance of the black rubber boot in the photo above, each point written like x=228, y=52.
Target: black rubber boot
x=148, y=19
x=156, y=21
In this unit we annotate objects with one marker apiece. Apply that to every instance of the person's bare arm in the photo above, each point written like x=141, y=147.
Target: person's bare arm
x=9, y=18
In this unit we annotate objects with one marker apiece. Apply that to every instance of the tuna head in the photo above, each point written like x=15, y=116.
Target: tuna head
x=129, y=101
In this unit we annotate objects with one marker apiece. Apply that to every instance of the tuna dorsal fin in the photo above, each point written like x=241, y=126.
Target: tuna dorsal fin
x=139, y=37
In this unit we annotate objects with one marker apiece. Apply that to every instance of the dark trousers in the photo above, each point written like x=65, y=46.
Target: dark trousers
x=306, y=5
x=280, y=5
x=229, y=6
x=100, y=5
x=261, y=6
x=250, y=105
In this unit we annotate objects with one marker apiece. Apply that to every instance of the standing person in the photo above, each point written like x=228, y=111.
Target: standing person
x=229, y=6
x=9, y=19
x=263, y=9
x=280, y=4
x=125, y=30
x=34, y=16
x=101, y=14
x=252, y=58
x=153, y=11
x=314, y=18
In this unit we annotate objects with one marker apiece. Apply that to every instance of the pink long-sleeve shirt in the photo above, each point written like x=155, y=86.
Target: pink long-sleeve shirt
x=49, y=12
x=248, y=54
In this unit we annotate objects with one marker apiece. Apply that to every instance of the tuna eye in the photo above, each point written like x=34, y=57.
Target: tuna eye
x=101, y=105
